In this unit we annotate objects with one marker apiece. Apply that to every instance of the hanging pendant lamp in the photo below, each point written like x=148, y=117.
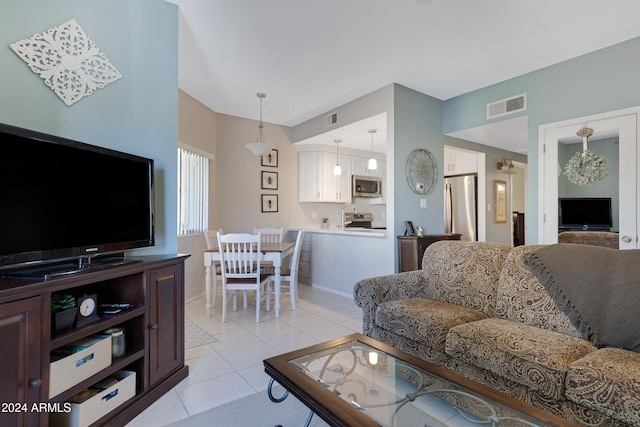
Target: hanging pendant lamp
x=260, y=148
x=337, y=170
x=373, y=163
x=586, y=167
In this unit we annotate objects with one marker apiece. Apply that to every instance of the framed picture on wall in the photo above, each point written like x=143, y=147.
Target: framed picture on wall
x=270, y=159
x=269, y=203
x=500, y=201
x=269, y=180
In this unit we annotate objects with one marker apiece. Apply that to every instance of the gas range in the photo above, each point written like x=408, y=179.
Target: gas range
x=357, y=220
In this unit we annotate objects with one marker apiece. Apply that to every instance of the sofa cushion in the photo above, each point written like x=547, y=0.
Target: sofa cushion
x=424, y=320
x=522, y=298
x=464, y=273
x=608, y=381
x=534, y=357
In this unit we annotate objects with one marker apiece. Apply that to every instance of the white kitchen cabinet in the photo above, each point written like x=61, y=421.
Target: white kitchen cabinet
x=459, y=162
x=336, y=188
x=359, y=166
x=316, y=181
x=310, y=176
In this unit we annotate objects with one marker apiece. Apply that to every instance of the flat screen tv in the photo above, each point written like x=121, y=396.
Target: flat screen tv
x=585, y=213
x=63, y=199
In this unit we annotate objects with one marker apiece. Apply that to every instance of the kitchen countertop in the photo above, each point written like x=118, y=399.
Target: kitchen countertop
x=365, y=232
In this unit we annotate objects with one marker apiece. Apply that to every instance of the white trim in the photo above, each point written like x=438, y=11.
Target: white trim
x=196, y=150
x=548, y=170
x=333, y=291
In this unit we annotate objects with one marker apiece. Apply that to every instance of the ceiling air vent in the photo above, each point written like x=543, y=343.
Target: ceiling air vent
x=507, y=106
x=332, y=119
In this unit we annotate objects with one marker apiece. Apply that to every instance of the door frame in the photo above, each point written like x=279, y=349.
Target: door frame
x=627, y=123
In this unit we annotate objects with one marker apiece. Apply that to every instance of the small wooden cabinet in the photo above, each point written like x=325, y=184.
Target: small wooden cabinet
x=20, y=363
x=153, y=327
x=411, y=249
x=166, y=335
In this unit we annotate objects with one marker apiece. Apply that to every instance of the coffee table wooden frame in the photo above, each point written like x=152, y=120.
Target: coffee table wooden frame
x=337, y=412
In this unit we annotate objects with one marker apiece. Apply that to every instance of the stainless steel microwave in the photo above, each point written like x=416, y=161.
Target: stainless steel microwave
x=366, y=186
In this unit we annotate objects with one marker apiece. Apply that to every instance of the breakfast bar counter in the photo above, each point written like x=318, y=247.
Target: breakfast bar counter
x=340, y=258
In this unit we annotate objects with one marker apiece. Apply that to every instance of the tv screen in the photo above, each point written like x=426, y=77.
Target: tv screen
x=585, y=213
x=63, y=199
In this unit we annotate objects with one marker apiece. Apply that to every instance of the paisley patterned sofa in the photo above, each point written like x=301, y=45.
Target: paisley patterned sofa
x=478, y=309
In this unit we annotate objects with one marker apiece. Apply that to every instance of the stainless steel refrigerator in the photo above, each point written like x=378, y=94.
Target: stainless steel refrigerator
x=461, y=206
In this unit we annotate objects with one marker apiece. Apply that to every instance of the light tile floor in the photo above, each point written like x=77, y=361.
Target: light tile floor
x=232, y=368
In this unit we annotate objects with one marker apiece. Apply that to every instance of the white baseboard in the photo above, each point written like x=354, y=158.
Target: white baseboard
x=333, y=291
x=196, y=298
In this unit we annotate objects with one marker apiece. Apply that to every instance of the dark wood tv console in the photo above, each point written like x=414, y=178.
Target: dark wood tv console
x=411, y=249
x=154, y=337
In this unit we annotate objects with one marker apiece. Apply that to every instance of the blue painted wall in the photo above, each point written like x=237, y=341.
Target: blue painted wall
x=136, y=114
x=418, y=124
x=605, y=80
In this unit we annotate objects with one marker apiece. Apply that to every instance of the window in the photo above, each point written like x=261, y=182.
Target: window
x=193, y=192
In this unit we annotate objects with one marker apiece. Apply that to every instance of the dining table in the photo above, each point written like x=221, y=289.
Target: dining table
x=274, y=252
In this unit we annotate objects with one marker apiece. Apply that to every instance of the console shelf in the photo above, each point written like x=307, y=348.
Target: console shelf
x=154, y=335
x=95, y=327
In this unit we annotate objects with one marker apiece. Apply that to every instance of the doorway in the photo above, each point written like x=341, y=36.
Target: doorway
x=620, y=126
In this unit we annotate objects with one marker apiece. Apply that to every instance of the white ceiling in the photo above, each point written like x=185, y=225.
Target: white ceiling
x=313, y=56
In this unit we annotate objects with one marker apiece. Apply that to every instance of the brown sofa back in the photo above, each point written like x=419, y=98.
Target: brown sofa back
x=464, y=273
x=595, y=238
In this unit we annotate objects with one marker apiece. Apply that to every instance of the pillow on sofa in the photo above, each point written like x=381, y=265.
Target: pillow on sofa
x=597, y=287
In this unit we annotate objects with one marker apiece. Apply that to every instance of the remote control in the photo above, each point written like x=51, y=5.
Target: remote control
x=122, y=306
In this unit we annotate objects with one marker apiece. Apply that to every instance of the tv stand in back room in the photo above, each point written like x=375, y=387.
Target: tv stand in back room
x=585, y=228
x=153, y=328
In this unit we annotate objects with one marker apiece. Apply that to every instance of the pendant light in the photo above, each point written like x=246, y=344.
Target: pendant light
x=337, y=170
x=373, y=163
x=260, y=148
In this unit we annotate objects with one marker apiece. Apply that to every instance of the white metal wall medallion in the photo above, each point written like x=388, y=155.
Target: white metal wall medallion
x=68, y=61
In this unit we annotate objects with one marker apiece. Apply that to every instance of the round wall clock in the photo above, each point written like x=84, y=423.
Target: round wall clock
x=422, y=171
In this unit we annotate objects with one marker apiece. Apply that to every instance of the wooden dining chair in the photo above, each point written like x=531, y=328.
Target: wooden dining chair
x=289, y=275
x=269, y=235
x=210, y=238
x=240, y=258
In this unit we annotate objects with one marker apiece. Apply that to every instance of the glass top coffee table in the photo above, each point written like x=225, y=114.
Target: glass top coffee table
x=358, y=381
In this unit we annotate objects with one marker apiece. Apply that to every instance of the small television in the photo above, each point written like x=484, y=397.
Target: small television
x=64, y=200
x=585, y=213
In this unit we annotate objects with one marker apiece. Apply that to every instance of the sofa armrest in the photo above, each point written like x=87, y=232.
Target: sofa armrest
x=370, y=293
x=606, y=380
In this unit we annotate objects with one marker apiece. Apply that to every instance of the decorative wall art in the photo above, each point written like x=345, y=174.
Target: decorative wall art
x=269, y=203
x=269, y=180
x=500, y=201
x=68, y=61
x=270, y=159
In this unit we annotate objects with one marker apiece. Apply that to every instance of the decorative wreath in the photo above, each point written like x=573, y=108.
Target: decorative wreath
x=585, y=168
